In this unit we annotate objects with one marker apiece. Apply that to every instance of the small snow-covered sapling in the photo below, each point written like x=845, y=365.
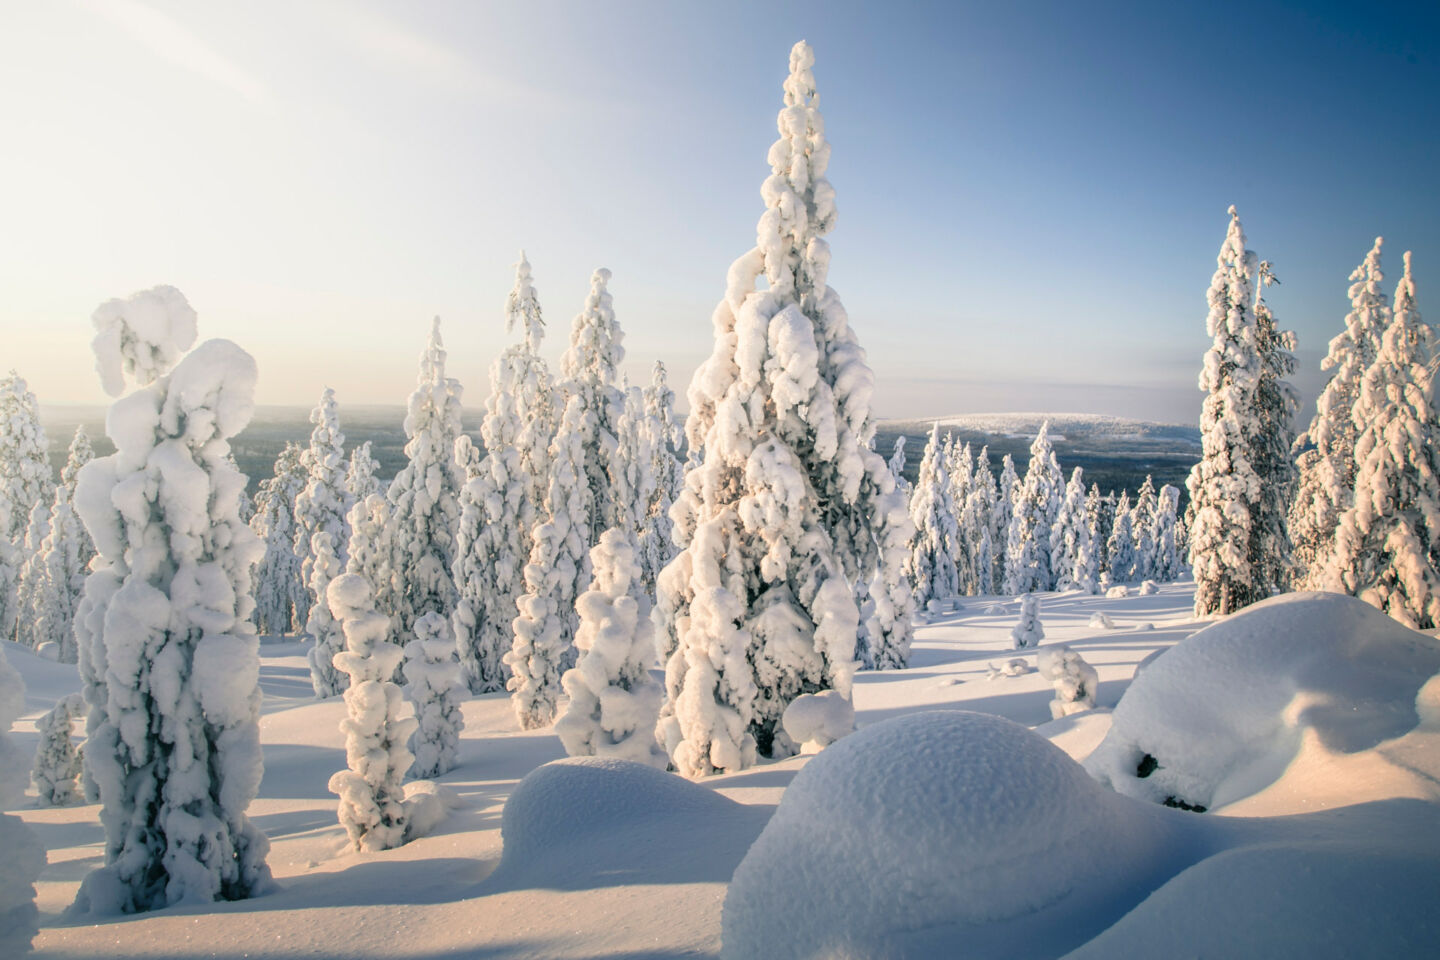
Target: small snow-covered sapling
x=1028, y=630
x=57, y=763
x=1075, y=681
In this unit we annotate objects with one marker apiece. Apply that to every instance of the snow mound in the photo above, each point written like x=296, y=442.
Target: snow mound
x=1148, y=588
x=1010, y=668
x=1222, y=714
x=816, y=720
x=932, y=829
x=1102, y=620
x=1117, y=592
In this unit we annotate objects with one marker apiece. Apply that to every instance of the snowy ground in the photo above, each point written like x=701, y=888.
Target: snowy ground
x=633, y=870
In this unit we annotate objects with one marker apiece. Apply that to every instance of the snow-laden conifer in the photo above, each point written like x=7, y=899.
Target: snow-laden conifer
x=657, y=542
x=962, y=467
x=21, y=855
x=30, y=588
x=424, y=511
x=1000, y=518
x=1121, y=548
x=1037, y=501
x=65, y=556
x=614, y=702
x=633, y=468
x=531, y=391
x=932, y=511
x=1071, y=550
x=360, y=476
x=558, y=566
x=322, y=539
x=174, y=741
x=892, y=601
x=1167, y=565
x=1075, y=681
x=1028, y=630
x=1387, y=542
x=976, y=519
x=1224, y=487
x=591, y=367
x=372, y=797
x=786, y=496
x=56, y=773
x=1276, y=403
x=897, y=466
x=25, y=480
x=1327, y=472
x=280, y=594
x=433, y=683
x=1142, y=528
x=369, y=558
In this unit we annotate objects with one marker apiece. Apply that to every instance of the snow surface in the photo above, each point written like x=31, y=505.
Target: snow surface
x=638, y=865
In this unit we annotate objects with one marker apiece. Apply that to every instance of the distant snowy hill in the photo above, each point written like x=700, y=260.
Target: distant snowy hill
x=1114, y=452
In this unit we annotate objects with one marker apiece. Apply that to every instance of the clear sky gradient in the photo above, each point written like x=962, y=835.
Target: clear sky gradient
x=1031, y=195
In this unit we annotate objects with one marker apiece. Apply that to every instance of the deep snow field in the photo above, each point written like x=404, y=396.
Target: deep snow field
x=1304, y=725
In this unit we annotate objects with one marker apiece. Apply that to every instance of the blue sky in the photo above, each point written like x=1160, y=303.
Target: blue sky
x=1031, y=195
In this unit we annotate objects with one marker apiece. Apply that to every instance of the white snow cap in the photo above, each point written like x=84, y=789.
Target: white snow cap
x=816, y=720
x=141, y=337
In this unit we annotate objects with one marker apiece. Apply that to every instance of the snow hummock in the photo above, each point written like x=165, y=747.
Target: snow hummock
x=816, y=720
x=1223, y=714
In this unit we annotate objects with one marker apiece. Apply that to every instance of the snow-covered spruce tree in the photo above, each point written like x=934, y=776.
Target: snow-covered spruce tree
x=892, y=608
x=657, y=542
x=25, y=480
x=1000, y=519
x=1224, y=486
x=1387, y=542
x=897, y=467
x=424, y=498
x=434, y=685
x=1028, y=630
x=591, y=367
x=932, y=511
x=1037, y=502
x=614, y=703
x=322, y=539
x=532, y=392
x=174, y=741
x=633, y=468
x=1327, y=472
x=778, y=519
x=360, y=479
x=1142, y=528
x=962, y=467
x=368, y=556
x=1070, y=546
x=31, y=586
x=975, y=524
x=62, y=554
x=372, y=798
x=1276, y=403
x=21, y=856
x=279, y=592
x=1167, y=565
x=558, y=565
x=56, y=773
x=1120, y=551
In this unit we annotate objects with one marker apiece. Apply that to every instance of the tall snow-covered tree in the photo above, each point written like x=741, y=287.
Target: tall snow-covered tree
x=1000, y=519
x=65, y=568
x=360, y=475
x=591, y=367
x=21, y=855
x=280, y=593
x=175, y=746
x=1327, y=472
x=1142, y=528
x=1072, y=553
x=777, y=521
x=372, y=798
x=1387, y=545
x=962, y=469
x=657, y=541
x=30, y=589
x=531, y=392
x=424, y=501
x=433, y=683
x=1028, y=565
x=932, y=511
x=1224, y=487
x=1276, y=403
x=890, y=624
x=322, y=539
x=25, y=480
x=558, y=565
x=633, y=468
x=976, y=519
x=614, y=703
x=1167, y=565
x=1121, y=548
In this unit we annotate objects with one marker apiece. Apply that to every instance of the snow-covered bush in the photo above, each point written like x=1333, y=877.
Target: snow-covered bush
x=614, y=703
x=280, y=593
x=56, y=773
x=21, y=856
x=434, y=685
x=1028, y=631
x=816, y=720
x=1075, y=681
x=322, y=538
x=168, y=651
x=372, y=797
x=424, y=505
x=559, y=563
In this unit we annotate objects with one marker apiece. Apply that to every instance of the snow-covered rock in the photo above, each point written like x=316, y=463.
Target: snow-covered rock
x=1223, y=713
x=816, y=720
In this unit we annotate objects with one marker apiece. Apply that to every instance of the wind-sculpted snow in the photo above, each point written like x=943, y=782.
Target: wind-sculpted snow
x=1223, y=713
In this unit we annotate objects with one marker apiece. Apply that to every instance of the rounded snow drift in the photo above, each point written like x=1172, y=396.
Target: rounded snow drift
x=1221, y=715
x=918, y=827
